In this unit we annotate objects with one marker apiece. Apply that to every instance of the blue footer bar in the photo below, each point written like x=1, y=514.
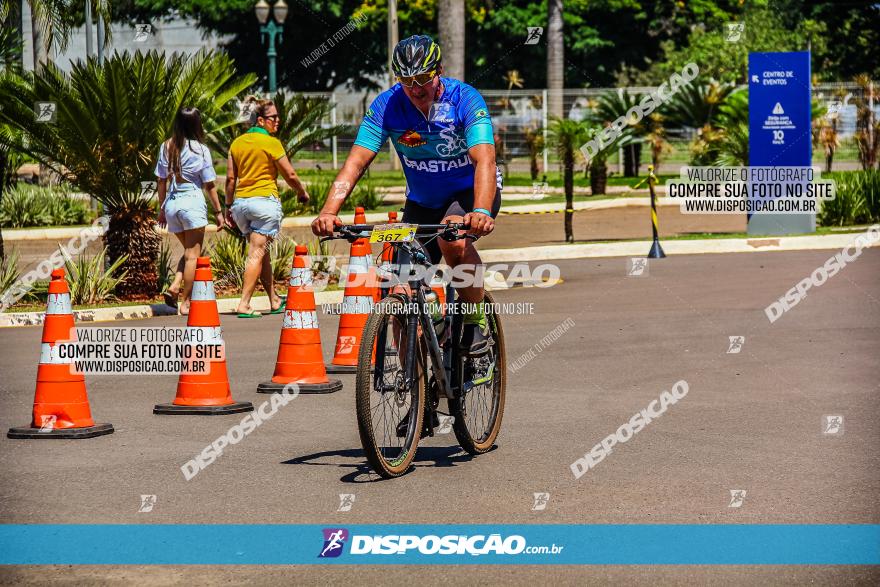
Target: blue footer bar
x=626, y=544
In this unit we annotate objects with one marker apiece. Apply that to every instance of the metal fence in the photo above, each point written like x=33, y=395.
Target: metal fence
x=516, y=112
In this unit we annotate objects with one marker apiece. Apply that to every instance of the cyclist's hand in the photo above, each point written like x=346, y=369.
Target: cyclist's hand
x=325, y=224
x=480, y=224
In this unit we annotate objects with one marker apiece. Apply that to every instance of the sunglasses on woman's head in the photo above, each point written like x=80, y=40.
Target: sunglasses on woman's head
x=420, y=79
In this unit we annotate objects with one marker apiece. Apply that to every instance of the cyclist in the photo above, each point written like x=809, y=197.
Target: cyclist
x=441, y=130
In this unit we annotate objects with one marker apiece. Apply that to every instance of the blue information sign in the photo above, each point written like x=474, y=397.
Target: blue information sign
x=780, y=127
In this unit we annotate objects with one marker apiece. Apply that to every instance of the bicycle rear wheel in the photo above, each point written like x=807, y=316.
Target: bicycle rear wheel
x=390, y=412
x=482, y=383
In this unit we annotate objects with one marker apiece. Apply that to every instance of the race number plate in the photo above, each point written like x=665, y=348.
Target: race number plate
x=393, y=233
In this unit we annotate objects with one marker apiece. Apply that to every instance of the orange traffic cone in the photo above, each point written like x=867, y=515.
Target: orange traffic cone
x=361, y=291
x=61, y=403
x=387, y=249
x=300, y=359
x=204, y=394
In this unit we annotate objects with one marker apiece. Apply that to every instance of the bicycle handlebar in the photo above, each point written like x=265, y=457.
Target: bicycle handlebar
x=447, y=232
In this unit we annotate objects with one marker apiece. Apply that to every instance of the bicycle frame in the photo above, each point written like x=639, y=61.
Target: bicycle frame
x=442, y=363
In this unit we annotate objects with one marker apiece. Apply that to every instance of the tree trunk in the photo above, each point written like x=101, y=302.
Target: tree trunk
x=568, y=182
x=131, y=233
x=13, y=21
x=555, y=58
x=450, y=26
x=533, y=165
x=632, y=158
x=829, y=160
x=598, y=177
x=4, y=164
x=41, y=44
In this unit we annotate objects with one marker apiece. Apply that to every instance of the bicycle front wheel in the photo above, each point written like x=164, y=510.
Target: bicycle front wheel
x=390, y=409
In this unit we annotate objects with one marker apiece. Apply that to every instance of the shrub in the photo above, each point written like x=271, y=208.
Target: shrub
x=164, y=269
x=91, y=280
x=229, y=255
x=324, y=269
x=281, y=251
x=365, y=194
x=30, y=205
x=9, y=272
x=857, y=200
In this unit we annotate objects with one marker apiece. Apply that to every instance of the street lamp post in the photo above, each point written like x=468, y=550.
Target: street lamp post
x=271, y=28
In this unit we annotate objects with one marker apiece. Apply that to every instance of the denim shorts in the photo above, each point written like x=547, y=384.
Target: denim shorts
x=185, y=209
x=261, y=214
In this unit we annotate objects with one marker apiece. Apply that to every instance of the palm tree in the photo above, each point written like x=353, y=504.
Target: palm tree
x=110, y=121
x=610, y=106
x=10, y=54
x=696, y=105
x=567, y=136
x=534, y=138
x=598, y=164
x=733, y=120
x=867, y=135
x=825, y=135
x=555, y=58
x=656, y=138
x=300, y=125
x=51, y=25
x=450, y=26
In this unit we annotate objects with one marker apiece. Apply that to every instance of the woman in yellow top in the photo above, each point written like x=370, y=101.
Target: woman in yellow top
x=256, y=158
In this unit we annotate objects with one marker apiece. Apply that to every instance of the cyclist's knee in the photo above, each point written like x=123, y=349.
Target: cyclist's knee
x=454, y=251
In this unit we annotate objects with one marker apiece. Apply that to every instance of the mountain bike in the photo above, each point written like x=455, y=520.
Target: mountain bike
x=409, y=358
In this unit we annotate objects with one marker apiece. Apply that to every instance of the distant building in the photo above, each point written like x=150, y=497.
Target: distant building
x=175, y=35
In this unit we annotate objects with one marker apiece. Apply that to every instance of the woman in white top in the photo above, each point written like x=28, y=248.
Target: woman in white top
x=184, y=169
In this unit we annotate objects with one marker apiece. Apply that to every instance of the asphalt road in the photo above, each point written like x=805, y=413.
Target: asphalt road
x=511, y=230
x=751, y=421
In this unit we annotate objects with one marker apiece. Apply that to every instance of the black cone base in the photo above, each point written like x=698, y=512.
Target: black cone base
x=331, y=368
x=90, y=432
x=656, y=251
x=331, y=386
x=174, y=410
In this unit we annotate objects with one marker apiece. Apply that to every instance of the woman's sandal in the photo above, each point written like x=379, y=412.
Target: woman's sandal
x=170, y=299
x=251, y=314
x=281, y=305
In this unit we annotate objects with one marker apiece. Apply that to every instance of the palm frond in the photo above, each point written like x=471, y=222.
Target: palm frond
x=111, y=119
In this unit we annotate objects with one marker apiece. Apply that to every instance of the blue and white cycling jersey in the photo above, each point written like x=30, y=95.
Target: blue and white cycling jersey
x=433, y=148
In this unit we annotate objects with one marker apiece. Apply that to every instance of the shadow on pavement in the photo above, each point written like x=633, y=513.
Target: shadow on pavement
x=426, y=456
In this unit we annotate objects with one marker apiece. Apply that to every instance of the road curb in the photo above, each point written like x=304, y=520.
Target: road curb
x=224, y=305
x=672, y=247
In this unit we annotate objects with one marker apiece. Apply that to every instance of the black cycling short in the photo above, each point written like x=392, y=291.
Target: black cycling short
x=460, y=204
